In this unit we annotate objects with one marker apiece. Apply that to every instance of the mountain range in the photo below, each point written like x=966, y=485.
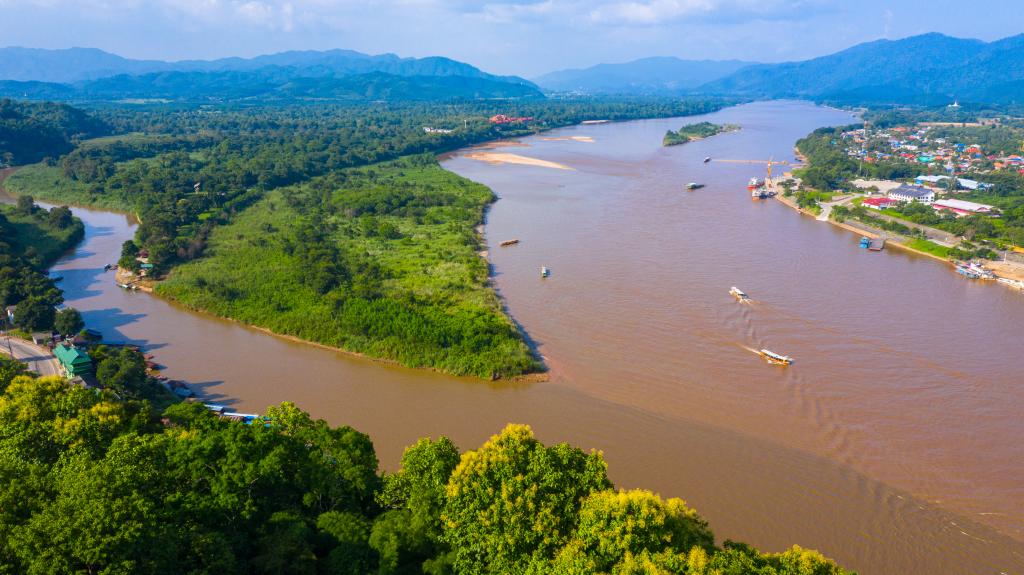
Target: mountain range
x=91, y=74
x=925, y=69
x=660, y=75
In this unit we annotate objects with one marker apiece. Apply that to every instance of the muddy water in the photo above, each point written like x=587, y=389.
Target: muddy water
x=894, y=444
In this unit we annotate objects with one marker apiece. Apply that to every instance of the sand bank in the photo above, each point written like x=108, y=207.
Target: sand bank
x=498, y=158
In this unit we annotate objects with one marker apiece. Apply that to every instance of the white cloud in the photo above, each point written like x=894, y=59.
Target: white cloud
x=652, y=12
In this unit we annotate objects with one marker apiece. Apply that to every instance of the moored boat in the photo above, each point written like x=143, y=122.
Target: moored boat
x=865, y=242
x=967, y=272
x=738, y=294
x=775, y=358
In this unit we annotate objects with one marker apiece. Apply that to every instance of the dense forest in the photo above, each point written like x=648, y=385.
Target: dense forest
x=108, y=482
x=30, y=132
x=32, y=238
x=380, y=260
x=236, y=154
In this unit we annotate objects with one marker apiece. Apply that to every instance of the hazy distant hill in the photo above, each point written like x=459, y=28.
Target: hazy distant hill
x=81, y=64
x=90, y=74
x=270, y=83
x=657, y=75
x=926, y=69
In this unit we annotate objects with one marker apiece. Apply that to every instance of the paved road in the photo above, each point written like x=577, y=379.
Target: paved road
x=826, y=208
x=39, y=359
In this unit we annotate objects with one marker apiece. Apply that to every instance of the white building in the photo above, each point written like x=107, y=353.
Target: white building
x=912, y=194
x=963, y=208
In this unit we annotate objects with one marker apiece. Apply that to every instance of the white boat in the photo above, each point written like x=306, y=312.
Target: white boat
x=738, y=294
x=981, y=271
x=775, y=358
x=544, y=271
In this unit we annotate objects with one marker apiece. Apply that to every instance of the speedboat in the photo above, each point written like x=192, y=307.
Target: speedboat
x=738, y=294
x=544, y=271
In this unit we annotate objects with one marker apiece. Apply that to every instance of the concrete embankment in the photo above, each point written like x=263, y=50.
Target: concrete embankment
x=892, y=239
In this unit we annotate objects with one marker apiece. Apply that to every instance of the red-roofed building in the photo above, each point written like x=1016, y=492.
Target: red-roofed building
x=879, y=203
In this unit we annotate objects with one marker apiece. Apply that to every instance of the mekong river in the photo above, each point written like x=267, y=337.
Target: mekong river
x=895, y=444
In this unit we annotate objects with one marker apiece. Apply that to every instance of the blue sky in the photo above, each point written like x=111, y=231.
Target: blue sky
x=526, y=37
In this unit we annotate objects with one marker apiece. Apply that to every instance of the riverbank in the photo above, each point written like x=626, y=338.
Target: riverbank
x=613, y=323
x=858, y=227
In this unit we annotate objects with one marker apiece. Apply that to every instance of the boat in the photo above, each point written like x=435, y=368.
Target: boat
x=738, y=294
x=967, y=272
x=877, y=244
x=707, y=159
x=865, y=242
x=694, y=186
x=755, y=183
x=983, y=273
x=124, y=286
x=544, y=271
x=511, y=242
x=1016, y=284
x=775, y=358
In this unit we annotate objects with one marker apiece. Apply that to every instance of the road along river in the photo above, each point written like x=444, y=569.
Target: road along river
x=894, y=444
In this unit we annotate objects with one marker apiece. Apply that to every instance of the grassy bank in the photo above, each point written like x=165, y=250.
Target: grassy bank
x=381, y=260
x=49, y=184
x=38, y=236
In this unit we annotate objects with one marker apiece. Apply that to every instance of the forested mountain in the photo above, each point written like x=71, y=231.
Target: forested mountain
x=89, y=74
x=658, y=75
x=31, y=131
x=926, y=69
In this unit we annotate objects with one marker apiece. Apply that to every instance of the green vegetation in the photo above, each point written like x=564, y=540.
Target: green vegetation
x=32, y=238
x=929, y=247
x=380, y=260
x=830, y=168
x=40, y=235
x=236, y=154
x=697, y=131
x=103, y=482
x=30, y=132
x=377, y=261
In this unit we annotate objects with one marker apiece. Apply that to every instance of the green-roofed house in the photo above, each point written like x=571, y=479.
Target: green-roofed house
x=74, y=361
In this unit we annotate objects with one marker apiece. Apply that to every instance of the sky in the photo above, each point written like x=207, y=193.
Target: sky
x=525, y=37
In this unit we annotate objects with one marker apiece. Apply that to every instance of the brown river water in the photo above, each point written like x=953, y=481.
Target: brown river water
x=894, y=444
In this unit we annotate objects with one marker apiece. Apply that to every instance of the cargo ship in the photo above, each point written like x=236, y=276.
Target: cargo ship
x=774, y=358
